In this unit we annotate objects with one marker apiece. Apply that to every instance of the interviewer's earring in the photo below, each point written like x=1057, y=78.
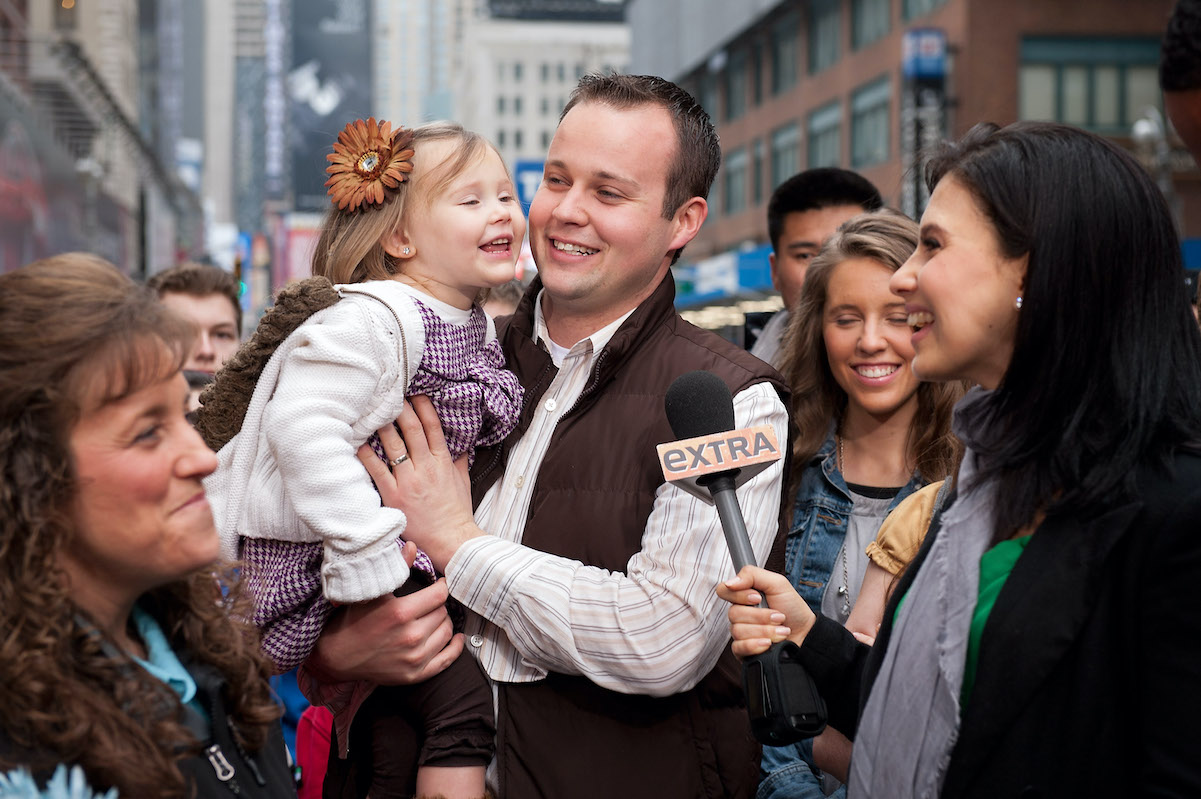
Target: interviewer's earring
x=1018, y=303
x=406, y=251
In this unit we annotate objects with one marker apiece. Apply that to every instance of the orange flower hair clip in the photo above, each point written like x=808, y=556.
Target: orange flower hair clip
x=368, y=163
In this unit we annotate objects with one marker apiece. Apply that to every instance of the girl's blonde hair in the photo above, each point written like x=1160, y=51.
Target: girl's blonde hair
x=888, y=238
x=351, y=250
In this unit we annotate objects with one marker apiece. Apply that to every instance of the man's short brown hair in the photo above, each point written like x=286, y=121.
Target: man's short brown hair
x=199, y=280
x=698, y=151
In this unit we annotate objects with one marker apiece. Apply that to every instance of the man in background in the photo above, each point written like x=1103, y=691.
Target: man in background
x=208, y=297
x=802, y=214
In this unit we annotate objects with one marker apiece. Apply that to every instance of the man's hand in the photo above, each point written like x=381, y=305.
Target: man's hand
x=433, y=491
x=391, y=640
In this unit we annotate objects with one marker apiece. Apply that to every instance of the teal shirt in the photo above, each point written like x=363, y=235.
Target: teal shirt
x=995, y=567
x=162, y=662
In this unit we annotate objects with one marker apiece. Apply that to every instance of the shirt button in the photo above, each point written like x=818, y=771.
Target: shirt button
x=520, y=481
x=477, y=640
x=551, y=404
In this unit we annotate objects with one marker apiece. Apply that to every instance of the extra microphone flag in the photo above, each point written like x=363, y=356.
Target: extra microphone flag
x=701, y=413
x=710, y=460
x=750, y=451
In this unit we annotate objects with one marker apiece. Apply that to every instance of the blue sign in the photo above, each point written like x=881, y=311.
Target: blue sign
x=528, y=177
x=924, y=53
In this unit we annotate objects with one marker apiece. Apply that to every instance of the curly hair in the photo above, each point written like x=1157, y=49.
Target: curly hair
x=69, y=324
x=889, y=238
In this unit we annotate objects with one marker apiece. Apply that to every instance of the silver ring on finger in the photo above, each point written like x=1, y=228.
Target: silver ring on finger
x=397, y=461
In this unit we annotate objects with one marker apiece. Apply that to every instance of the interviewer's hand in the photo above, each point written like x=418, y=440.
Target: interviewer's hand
x=433, y=490
x=755, y=629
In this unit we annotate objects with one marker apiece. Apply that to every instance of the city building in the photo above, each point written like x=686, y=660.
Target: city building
x=794, y=84
x=522, y=58
x=80, y=166
x=417, y=47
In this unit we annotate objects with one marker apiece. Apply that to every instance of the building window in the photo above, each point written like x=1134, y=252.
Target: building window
x=870, y=20
x=869, y=123
x=545, y=72
x=517, y=105
x=544, y=106
x=735, y=183
x=561, y=71
x=825, y=30
x=546, y=140
x=500, y=138
x=757, y=75
x=785, y=153
x=500, y=70
x=784, y=53
x=915, y=8
x=735, y=75
x=1100, y=84
x=500, y=105
x=580, y=69
x=825, y=147
x=517, y=71
x=517, y=139
x=757, y=172
x=707, y=94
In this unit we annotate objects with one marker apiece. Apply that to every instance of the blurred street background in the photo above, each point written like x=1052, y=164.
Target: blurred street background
x=153, y=132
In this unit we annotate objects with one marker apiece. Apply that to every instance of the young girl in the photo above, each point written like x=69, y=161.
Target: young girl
x=870, y=434
x=425, y=219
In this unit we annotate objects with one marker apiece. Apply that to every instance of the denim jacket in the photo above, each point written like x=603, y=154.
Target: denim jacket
x=820, y=516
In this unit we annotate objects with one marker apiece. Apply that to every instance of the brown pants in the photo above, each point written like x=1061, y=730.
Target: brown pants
x=446, y=721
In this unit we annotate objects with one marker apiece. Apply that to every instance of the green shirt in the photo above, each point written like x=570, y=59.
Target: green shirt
x=995, y=567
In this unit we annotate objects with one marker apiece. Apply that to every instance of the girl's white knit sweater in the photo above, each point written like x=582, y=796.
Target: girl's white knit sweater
x=291, y=473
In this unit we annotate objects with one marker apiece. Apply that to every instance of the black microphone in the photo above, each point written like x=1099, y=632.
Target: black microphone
x=782, y=700
x=699, y=404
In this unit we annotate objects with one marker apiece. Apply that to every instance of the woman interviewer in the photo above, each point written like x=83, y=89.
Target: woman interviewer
x=118, y=653
x=1046, y=639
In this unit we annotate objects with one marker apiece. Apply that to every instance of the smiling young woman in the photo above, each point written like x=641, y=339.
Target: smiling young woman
x=869, y=433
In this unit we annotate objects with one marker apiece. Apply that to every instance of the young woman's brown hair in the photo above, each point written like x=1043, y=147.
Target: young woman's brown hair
x=889, y=238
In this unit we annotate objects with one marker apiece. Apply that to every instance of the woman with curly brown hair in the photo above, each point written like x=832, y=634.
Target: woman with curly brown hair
x=118, y=650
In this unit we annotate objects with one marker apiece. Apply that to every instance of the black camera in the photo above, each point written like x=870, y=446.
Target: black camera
x=781, y=699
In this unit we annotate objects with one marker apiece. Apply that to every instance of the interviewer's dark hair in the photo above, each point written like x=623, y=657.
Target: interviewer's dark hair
x=1180, y=52
x=1106, y=367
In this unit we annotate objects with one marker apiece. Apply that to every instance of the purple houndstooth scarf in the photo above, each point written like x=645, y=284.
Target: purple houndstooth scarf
x=477, y=399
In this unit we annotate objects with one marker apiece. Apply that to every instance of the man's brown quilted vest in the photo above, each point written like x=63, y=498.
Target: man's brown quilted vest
x=565, y=736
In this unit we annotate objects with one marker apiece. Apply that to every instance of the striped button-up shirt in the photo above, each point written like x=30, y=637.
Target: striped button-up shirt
x=658, y=628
